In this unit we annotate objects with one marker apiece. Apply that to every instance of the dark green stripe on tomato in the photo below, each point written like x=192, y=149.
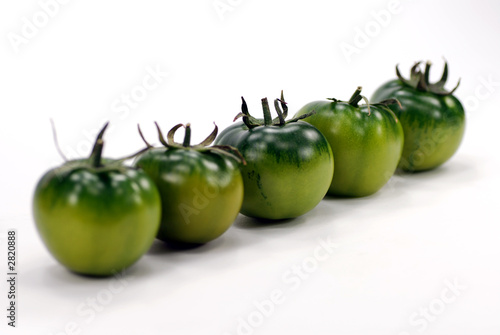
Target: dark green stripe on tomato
x=433, y=125
x=288, y=170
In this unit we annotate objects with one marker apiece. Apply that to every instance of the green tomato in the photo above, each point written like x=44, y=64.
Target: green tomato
x=201, y=189
x=96, y=219
x=433, y=119
x=289, y=164
x=366, y=141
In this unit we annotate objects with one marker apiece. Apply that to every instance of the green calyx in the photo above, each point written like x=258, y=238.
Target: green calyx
x=420, y=80
x=281, y=109
x=94, y=162
x=357, y=97
x=204, y=146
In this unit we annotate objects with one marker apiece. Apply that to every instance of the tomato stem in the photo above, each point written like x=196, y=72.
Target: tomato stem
x=95, y=155
x=267, y=112
x=283, y=105
x=356, y=97
x=282, y=112
x=281, y=117
x=419, y=79
x=187, y=136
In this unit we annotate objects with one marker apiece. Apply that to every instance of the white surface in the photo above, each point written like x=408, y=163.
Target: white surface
x=395, y=251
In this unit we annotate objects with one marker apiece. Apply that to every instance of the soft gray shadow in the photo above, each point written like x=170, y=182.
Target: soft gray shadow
x=161, y=248
x=459, y=169
x=337, y=205
x=63, y=280
x=138, y=269
x=246, y=222
x=348, y=198
x=63, y=283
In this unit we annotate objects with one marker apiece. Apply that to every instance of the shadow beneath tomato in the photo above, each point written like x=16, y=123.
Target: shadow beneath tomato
x=246, y=222
x=402, y=184
x=347, y=198
x=339, y=201
x=433, y=171
x=460, y=169
x=333, y=208
x=160, y=247
x=70, y=285
x=89, y=276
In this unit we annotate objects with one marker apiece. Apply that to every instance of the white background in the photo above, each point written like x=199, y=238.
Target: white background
x=395, y=251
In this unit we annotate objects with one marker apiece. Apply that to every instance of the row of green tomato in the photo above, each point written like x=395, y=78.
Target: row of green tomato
x=98, y=216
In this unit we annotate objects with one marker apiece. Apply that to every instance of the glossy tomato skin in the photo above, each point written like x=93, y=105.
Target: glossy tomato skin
x=288, y=170
x=366, y=147
x=201, y=192
x=97, y=223
x=433, y=125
